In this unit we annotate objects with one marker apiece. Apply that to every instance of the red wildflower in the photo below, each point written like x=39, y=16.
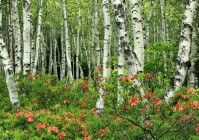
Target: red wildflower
x=66, y=101
x=84, y=132
x=52, y=129
x=147, y=123
x=85, y=86
x=148, y=95
x=93, y=109
x=19, y=113
x=30, y=117
x=157, y=101
x=83, y=116
x=84, y=105
x=99, y=68
x=134, y=101
x=134, y=77
x=88, y=138
x=189, y=90
x=61, y=135
x=185, y=96
x=179, y=106
x=126, y=108
x=97, y=77
x=57, y=105
x=40, y=126
x=102, y=132
x=195, y=104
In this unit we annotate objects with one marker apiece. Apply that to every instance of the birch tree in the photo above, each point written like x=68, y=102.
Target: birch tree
x=17, y=37
x=183, y=58
x=26, y=35
x=67, y=43
x=78, y=41
x=106, y=52
x=38, y=42
x=7, y=64
x=138, y=37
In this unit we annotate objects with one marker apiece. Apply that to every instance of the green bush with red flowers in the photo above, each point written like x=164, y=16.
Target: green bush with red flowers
x=52, y=109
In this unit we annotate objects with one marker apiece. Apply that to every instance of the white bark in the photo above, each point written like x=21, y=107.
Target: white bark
x=68, y=59
x=96, y=32
x=148, y=22
x=17, y=37
x=163, y=27
x=43, y=52
x=138, y=37
x=38, y=42
x=192, y=78
x=63, y=54
x=26, y=35
x=50, y=58
x=13, y=94
x=78, y=41
x=183, y=57
x=106, y=53
x=7, y=64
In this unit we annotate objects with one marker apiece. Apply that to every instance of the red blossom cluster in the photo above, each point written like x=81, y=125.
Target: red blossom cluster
x=134, y=101
x=66, y=101
x=30, y=117
x=84, y=105
x=179, y=106
x=99, y=68
x=53, y=129
x=40, y=126
x=82, y=116
x=127, y=79
x=18, y=113
x=61, y=135
x=102, y=132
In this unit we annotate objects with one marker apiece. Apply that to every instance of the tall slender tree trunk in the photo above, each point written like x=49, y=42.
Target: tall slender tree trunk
x=96, y=32
x=138, y=37
x=38, y=42
x=183, y=58
x=26, y=35
x=17, y=37
x=63, y=53
x=192, y=78
x=106, y=53
x=13, y=94
x=68, y=58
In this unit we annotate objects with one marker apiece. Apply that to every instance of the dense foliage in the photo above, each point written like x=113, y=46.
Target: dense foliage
x=50, y=109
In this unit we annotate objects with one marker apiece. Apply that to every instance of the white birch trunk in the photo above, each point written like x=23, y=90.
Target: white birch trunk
x=17, y=37
x=51, y=57
x=163, y=27
x=68, y=59
x=78, y=41
x=63, y=54
x=96, y=32
x=192, y=78
x=43, y=53
x=7, y=64
x=26, y=35
x=183, y=57
x=38, y=42
x=138, y=37
x=106, y=53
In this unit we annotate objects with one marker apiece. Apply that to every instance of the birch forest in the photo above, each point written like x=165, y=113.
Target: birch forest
x=99, y=69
